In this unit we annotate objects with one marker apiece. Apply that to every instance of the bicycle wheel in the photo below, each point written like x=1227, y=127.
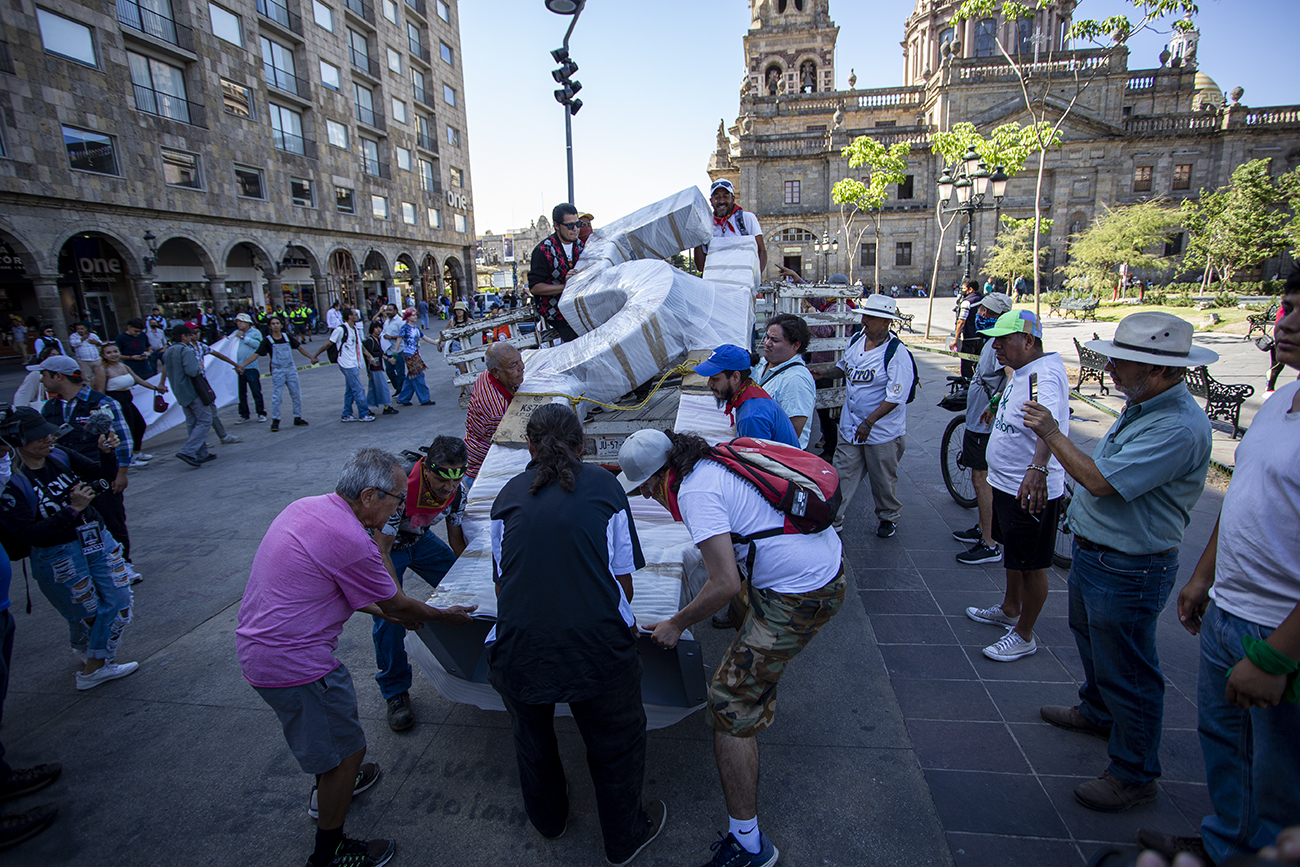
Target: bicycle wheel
x=956, y=475
x=1063, y=553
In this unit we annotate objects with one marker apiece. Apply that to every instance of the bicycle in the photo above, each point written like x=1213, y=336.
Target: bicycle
x=956, y=475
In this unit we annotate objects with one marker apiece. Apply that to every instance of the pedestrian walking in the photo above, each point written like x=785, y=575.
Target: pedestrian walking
x=281, y=346
x=116, y=380
x=345, y=343
x=181, y=364
x=377, y=393
x=406, y=353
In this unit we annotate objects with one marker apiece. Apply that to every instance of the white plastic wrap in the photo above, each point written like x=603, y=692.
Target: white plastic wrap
x=680, y=222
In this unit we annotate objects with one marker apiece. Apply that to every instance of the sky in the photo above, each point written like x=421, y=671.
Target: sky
x=658, y=76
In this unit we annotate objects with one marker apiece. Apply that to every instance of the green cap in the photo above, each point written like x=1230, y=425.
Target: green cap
x=1015, y=322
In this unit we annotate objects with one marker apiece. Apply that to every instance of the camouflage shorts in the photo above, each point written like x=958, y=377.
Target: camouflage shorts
x=776, y=626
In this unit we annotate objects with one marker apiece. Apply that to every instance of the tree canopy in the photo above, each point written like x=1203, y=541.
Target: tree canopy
x=887, y=167
x=1013, y=251
x=1238, y=225
x=1125, y=235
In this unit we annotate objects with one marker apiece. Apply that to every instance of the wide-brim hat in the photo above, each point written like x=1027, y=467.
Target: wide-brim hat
x=1155, y=338
x=881, y=306
x=642, y=454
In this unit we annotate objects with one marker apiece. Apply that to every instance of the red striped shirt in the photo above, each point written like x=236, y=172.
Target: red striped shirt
x=487, y=404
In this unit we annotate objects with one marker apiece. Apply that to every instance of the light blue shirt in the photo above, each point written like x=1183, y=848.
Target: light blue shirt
x=1155, y=456
x=248, y=343
x=792, y=386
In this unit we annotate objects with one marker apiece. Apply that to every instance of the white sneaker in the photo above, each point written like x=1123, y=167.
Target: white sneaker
x=137, y=464
x=141, y=456
x=231, y=438
x=992, y=615
x=110, y=671
x=1011, y=648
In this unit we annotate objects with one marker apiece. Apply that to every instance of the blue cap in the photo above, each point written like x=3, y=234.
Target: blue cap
x=725, y=357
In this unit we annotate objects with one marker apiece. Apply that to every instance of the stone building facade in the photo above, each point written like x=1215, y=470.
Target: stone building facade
x=1164, y=131
x=264, y=152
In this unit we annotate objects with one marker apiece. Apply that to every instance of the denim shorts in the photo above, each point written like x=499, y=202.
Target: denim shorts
x=320, y=720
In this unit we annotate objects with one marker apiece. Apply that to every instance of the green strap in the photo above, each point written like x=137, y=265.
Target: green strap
x=1270, y=660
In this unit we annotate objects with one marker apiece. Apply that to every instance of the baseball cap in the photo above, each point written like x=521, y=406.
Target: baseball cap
x=1015, y=322
x=244, y=317
x=31, y=424
x=58, y=364
x=641, y=456
x=722, y=184
x=996, y=303
x=725, y=357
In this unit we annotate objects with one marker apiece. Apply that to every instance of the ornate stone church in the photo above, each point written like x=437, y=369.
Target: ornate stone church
x=1163, y=131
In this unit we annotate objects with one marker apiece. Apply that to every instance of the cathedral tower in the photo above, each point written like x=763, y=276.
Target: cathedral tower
x=790, y=47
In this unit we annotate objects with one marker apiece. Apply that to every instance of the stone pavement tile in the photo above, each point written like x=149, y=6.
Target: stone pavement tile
x=959, y=745
x=1121, y=828
x=960, y=577
x=955, y=602
x=987, y=803
x=993, y=850
x=865, y=550
x=898, y=602
x=1192, y=800
x=1042, y=666
x=911, y=629
x=888, y=579
x=926, y=662
x=1055, y=751
x=1020, y=702
x=1053, y=632
x=1069, y=657
x=944, y=557
x=1180, y=709
x=972, y=633
x=945, y=700
x=1181, y=760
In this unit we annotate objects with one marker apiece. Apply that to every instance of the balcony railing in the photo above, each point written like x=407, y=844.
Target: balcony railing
x=280, y=14
x=431, y=185
x=421, y=95
x=366, y=64
x=416, y=6
x=6, y=59
x=375, y=168
x=286, y=81
x=418, y=50
x=293, y=144
x=370, y=117
x=361, y=9
x=133, y=15
x=166, y=105
x=426, y=141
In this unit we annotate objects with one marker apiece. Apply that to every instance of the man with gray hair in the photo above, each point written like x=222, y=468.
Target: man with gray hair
x=1130, y=509
x=488, y=401
x=317, y=565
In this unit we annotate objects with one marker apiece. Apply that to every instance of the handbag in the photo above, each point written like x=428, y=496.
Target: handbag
x=415, y=364
x=1265, y=343
x=206, y=395
x=159, y=404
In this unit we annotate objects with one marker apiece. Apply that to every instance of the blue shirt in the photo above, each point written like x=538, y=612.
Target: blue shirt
x=1155, y=456
x=763, y=418
x=247, y=349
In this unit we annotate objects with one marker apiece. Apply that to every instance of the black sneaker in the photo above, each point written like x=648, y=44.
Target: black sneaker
x=980, y=553
x=400, y=715
x=208, y=457
x=298, y=422
x=23, y=826
x=366, y=777
x=427, y=402
x=275, y=425
x=194, y=462
x=656, y=815
x=886, y=529
x=388, y=410
x=361, y=853
x=970, y=537
x=24, y=781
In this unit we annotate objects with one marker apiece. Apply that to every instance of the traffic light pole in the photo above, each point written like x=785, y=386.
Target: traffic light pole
x=568, y=147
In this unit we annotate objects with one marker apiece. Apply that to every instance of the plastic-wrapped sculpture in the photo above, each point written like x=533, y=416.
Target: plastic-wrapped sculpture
x=637, y=316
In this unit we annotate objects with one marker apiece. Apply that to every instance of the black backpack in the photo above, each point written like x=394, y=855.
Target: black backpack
x=894, y=343
x=333, y=351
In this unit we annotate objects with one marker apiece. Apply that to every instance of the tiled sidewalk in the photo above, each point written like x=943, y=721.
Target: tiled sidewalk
x=1001, y=778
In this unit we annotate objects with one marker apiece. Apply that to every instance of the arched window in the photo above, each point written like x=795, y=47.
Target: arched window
x=794, y=236
x=985, y=35
x=1025, y=36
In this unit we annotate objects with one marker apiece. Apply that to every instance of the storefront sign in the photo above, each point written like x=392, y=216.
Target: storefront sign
x=458, y=200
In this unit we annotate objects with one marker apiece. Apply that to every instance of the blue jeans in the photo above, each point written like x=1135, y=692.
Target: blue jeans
x=250, y=380
x=353, y=392
x=377, y=393
x=430, y=558
x=6, y=654
x=81, y=586
x=1252, y=757
x=1115, y=601
x=396, y=372
x=413, y=386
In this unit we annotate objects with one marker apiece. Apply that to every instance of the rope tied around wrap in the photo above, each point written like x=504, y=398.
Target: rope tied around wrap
x=683, y=368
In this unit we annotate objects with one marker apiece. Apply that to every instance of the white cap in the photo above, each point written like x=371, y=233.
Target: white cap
x=642, y=454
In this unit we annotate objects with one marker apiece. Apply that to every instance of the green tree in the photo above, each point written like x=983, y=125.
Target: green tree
x=1108, y=34
x=1013, y=250
x=1289, y=184
x=1238, y=225
x=1126, y=235
x=888, y=168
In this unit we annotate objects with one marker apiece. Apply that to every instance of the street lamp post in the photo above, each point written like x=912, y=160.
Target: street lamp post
x=826, y=246
x=970, y=182
x=563, y=77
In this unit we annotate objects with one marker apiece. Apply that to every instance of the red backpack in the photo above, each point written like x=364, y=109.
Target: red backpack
x=798, y=484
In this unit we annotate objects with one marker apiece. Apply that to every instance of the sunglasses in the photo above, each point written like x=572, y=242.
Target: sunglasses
x=578, y=225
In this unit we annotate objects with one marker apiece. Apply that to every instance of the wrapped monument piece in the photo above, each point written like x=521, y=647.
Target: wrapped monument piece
x=638, y=317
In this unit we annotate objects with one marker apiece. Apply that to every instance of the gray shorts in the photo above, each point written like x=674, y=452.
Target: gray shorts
x=319, y=718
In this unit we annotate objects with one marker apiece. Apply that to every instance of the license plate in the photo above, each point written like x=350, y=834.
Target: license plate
x=607, y=447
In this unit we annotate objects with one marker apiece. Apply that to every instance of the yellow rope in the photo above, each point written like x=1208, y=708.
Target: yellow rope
x=685, y=367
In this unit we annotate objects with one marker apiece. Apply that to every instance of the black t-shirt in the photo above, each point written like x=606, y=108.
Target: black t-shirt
x=50, y=522
x=264, y=348
x=560, y=635
x=371, y=345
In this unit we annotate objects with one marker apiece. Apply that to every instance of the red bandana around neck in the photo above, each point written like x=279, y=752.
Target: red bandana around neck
x=749, y=392
x=723, y=221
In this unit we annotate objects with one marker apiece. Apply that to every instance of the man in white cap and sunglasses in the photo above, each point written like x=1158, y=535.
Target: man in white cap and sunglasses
x=1130, y=509
x=730, y=220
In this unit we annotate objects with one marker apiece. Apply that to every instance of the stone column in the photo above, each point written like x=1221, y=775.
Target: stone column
x=144, y=294
x=51, y=307
x=217, y=292
x=322, y=300
x=274, y=290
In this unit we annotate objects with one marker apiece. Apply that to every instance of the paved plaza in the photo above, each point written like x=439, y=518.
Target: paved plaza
x=896, y=741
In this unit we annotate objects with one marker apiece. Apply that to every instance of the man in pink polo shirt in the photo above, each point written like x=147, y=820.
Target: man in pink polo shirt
x=317, y=565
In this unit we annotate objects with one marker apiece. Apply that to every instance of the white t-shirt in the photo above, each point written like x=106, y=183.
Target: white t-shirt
x=713, y=501
x=1257, y=573
x=752, y=228
x=392, y=328
x=350, y=349
x=1011, y=445
x=868, y=385
x=333, y=318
